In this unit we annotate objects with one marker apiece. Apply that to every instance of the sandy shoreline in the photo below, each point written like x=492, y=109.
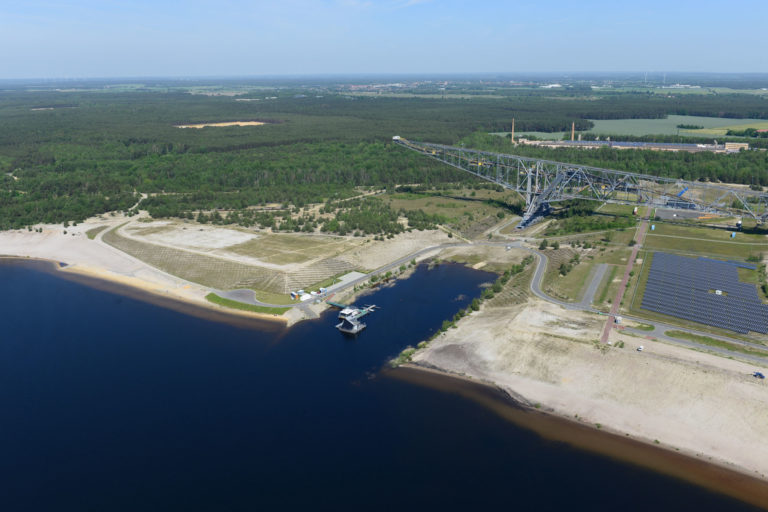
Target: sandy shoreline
x=99, y=262
x=150, y=293
x=536, y=353
x=715, y=476
x=694, y=403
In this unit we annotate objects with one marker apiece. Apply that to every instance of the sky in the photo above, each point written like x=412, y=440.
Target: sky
x=115, y=38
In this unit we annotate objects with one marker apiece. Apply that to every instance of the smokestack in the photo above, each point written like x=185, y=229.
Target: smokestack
x=513, y=131
x=573, y=131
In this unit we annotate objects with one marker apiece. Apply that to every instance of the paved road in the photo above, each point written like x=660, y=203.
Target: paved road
x=597, y=275
x=538, y=276
x=691, y=344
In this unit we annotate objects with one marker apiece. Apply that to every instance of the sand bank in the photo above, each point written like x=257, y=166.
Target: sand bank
x=701, y=405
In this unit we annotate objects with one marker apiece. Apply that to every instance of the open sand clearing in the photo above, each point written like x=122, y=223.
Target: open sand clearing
x=703, y=405
x=228, y=123
x=187, y=236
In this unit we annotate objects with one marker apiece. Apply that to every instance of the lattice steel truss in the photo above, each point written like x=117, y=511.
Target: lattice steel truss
x=542, y=182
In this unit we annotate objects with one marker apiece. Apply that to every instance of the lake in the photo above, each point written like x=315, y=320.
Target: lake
x=114, y=403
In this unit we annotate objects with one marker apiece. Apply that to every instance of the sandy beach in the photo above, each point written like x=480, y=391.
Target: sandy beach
x=701, y=405
x=99, y=261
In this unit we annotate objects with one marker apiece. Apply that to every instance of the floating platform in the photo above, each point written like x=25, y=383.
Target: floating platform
x=351, y=327
x=350, y=317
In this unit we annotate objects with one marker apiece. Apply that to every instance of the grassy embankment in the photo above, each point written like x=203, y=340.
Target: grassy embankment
x=713, y=342
x=94, y=232
x=227, y=303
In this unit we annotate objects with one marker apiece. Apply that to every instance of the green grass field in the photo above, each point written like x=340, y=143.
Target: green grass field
x=666, y=126
x=722, y=130
x=608, y=289
x=227, y=303
x=568, y=287
x=704, y=241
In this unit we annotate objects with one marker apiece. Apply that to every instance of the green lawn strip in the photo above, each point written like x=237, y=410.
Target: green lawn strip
x=713, y=342
x=606, y=285
x=228, y=303
x=93, y=232
x=325, y=283
x=643, y=327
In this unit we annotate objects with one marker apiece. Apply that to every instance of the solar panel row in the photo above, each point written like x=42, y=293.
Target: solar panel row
x=706, y=291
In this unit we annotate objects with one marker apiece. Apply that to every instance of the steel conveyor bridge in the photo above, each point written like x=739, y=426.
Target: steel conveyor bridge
x=542, y=182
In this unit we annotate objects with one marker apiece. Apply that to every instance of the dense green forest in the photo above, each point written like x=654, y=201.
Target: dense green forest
x=65, y=156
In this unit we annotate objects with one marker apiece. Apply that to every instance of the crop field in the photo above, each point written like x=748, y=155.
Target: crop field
x=666, y=126
x=640, y=127
x=704, y=241
x=722, y=130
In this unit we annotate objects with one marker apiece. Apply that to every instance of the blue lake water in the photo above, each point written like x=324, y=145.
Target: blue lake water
x=112, y=403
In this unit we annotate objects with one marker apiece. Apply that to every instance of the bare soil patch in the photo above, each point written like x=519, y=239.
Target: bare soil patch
x=228, y=123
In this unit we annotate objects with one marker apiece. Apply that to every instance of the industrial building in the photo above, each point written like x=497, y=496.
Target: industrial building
x=728, y=147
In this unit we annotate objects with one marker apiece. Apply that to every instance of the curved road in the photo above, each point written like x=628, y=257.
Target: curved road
x=247, y=296
x=659, y=328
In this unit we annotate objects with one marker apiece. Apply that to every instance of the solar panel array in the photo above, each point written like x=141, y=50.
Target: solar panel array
x=686, y=288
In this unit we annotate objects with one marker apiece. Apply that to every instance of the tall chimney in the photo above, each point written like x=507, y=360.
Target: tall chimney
x=513, y=131
x=573, y=130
